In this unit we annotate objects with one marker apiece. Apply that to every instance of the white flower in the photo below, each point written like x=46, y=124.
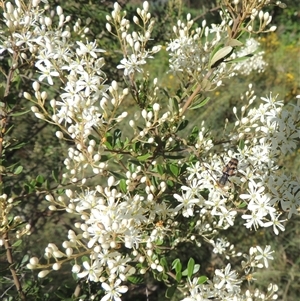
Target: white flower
x=47, y=71
x=89, y=83
x=255, y=191
x=253, y=220
x=113, y=291
x=275, y=223
x=187, y=201
x=131, y=64
x=92, y=271
x=227, y=278
x=195, y=171
x=226, y=215
x=89, y=48
x=261, y=204
x=265, y=255
x=220, y=246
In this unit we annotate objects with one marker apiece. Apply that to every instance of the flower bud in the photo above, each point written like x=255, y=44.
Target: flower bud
x=111, y=181
x=136, y=20
x=108, y=27
x=44, y=95
x=43, y=274
x=34, y=260
x=76, y=268
x=114, y=85
x=59, y=10
x=146, y=6
x=9, y=8
x=59, y=134
x=27, y=96
x=156, y=107
x=266, y=16
x=36, y=86
x=56, y=266
x=48, y=21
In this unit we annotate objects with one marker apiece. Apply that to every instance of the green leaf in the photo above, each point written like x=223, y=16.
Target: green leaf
x=201, y=104
x=242, y=205
x=55, y=175
x=160, y=169
x=174, y=169
x=17, y=243
x=164, y=277
x=196, y=268
x=194, y=134
x=170, y=183
x=135, y=279
x=144, y=157
x=173, y=106
x=123, y=185
x=117, y=136
x=241, y=144
x=40, y=179
x=220, y=55
x=104, y=158
x=178, y=276
x=216, y=49
x=187, y=271
x=85, y=258
x=239, y=59
x=183, y=125
x=163, y=262
x=117, y=133
x=205, y=84
x=25, y=259
x=159, y=242
x=47, y=184
x=18, y=170
x=190, y=267
x=202, y=279
x=234, y=43
x=136, y=146
x=176, y=264
x=109, y=141
x=171, y=291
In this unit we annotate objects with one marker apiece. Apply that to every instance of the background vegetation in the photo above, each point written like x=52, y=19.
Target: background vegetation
x=36, y=148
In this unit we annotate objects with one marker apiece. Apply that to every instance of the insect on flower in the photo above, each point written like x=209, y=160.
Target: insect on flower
x=228, y=171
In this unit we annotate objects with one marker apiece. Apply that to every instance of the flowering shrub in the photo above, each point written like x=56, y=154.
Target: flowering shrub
x=157, y=185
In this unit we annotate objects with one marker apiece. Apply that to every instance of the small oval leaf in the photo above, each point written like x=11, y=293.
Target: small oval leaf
x=234, y=43
x=190, y=267
x=220, y=55
x=18, y=170
x=206, y=85
x=202, y=279
x=171, y=291
x=17, y=243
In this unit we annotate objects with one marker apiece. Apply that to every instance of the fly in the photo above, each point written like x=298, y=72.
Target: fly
x=228, y=171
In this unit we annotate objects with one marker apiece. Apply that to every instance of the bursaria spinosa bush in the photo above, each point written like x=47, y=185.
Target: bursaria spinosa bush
x=158, y=184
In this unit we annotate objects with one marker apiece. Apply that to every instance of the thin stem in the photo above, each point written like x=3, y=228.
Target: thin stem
x=197, y=90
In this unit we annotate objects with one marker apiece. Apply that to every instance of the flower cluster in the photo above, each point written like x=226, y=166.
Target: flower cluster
x=133, y=44
x=253, y=63
x=143, y=193
x=266, y=133
x=226, y=283
x=191, y=51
